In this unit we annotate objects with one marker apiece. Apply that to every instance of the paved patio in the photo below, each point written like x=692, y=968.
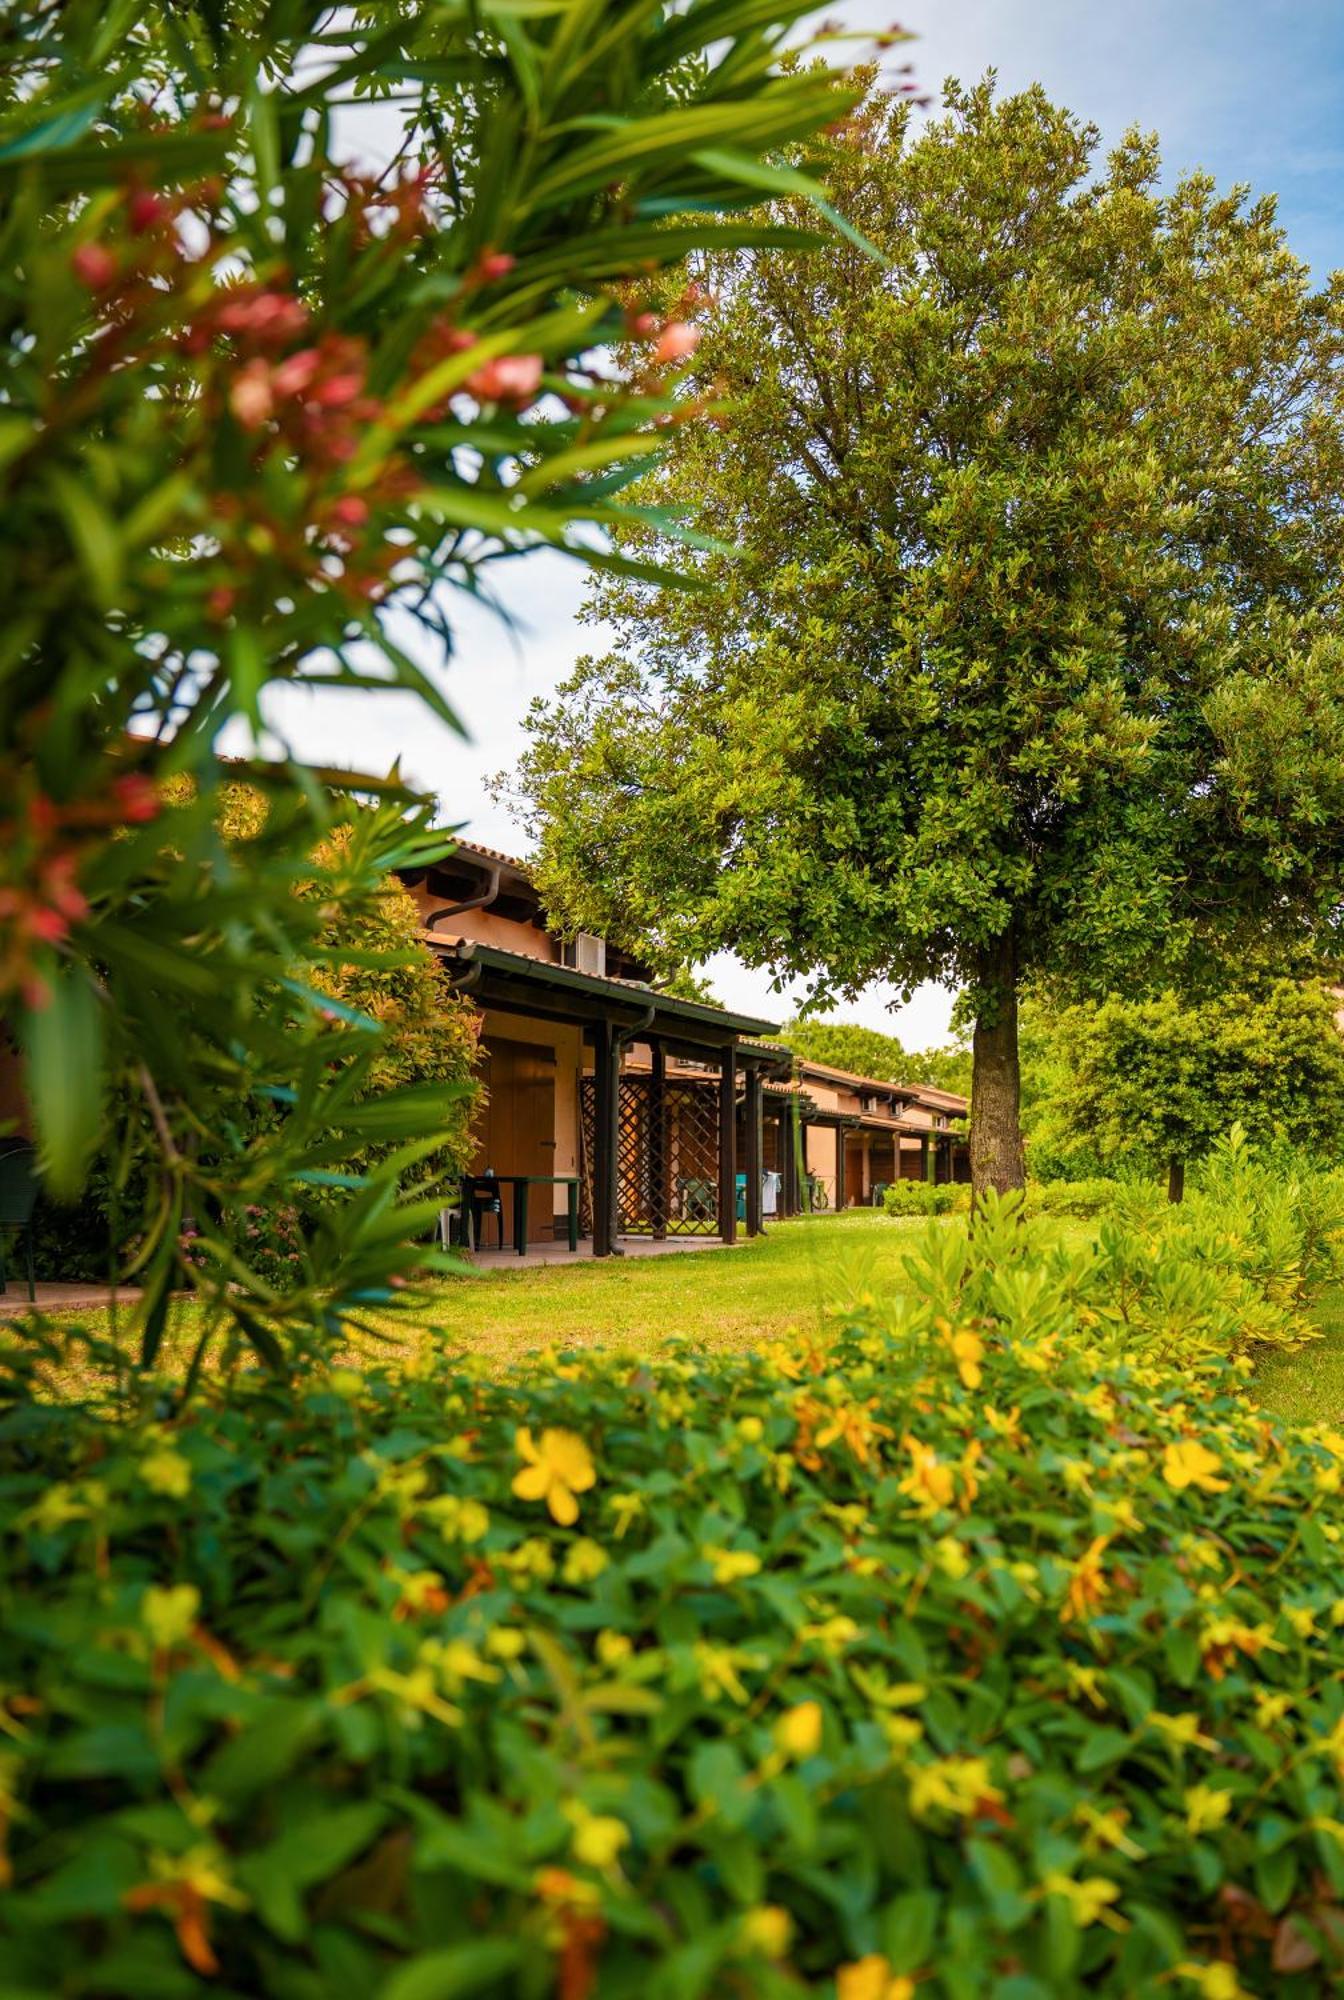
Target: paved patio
x=59, y=1298
x=540, y=1254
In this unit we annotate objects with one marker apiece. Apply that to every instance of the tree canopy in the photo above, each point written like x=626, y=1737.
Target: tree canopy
x=1151, y=1084
x=869, y=1052
x=1017, y=651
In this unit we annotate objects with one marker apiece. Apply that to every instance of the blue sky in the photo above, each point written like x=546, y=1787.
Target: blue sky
x=1253, y=93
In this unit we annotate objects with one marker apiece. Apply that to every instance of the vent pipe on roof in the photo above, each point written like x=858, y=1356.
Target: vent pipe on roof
x=481, y=902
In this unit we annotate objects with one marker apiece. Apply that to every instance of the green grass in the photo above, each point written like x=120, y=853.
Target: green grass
x=786, y=1281
x=789, y=1281
x=1308, y=1387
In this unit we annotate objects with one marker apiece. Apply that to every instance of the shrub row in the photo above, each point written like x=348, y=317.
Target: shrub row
x=971, y=1651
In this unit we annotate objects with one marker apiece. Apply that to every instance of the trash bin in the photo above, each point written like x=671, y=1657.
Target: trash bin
x=741, y=1197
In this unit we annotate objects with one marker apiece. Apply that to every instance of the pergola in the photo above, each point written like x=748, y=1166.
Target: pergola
x=613, y=1014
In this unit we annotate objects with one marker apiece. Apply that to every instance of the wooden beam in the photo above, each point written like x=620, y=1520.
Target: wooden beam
x=839, y=1167
x=754, y=1149
x=728, y=1146
x=606, y=1112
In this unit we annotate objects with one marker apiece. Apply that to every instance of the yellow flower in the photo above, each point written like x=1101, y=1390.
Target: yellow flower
x=1181, y=1731
x=872, y=1978
x=731, y=1565
x=798, y=1730
x=598, y=1838
x=456, y=1662
x=832, y=1634
x=345, y=1382
x=951, y=1558
x=1087, y=1899
x=720, y=1670
x=627, y=1507
x=557, y=1468
x=530, y=1562
x=458, y=1520
x=750, y=1429
x=929, y=1483
x=166, y=1471
x=1192, y=1464
x=968, y=1351
x=767, y=1929
x=1271, y=1708
x=613, y=1647
x=1214, y=1982
x=1205, y=1808
x=1087, y=1581
x=585, y=1562
x=169, y=1615
x=1086, y=1681
x=901, y=1731
x=506, y=1642
x=952, y=1784
x=1302, y=1619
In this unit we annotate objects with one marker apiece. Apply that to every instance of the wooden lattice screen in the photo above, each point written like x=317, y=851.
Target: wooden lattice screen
x=676, y=1155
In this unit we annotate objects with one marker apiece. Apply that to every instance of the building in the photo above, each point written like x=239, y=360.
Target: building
x=667, y=1117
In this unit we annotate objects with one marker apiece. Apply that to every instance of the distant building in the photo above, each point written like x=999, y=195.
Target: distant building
x=672, y=1117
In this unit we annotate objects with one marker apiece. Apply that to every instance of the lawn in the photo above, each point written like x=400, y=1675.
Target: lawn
x=794, y=1279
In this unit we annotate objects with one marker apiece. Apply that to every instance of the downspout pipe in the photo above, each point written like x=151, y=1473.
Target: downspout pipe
x=619, y=1042
x=481, y=902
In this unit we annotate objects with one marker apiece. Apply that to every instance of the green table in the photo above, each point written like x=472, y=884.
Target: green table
x=520, y=1183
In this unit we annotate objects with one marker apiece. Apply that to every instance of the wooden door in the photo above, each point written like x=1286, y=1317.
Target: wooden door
x=516, y=1133
x=856, y=1186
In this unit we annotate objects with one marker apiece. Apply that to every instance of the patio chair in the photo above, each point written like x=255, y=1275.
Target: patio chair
x=485, y=1202
x=18, y=1196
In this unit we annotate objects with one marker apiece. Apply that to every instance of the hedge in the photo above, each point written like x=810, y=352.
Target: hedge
x=951, y=1655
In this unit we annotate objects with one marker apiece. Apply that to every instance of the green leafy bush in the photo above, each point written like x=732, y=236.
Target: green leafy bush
x=926, y=1198
x=957, y=1651
x=1077, y=1198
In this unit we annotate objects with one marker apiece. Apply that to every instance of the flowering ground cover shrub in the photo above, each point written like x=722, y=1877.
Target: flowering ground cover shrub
x=957, y=1656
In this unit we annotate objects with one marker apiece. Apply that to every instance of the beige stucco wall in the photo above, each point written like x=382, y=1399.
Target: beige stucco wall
x=569, y=1060
x=821, y=1142
x=484, y=927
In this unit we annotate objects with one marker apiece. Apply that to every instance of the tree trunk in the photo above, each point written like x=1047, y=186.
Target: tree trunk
x=1176, y=1181
x=996, y=1124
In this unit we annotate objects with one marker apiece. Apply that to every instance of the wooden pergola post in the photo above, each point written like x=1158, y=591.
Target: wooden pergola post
x=790, y=1142
x=659, y=1164
x=606, y=1113
x=728, y=1145
x=753, y=1149
x=925, y=1158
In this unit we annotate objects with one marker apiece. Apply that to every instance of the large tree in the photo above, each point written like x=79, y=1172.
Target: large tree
x=1016, y=653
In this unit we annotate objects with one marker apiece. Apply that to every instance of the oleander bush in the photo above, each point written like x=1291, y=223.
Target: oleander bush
x=968, y=1651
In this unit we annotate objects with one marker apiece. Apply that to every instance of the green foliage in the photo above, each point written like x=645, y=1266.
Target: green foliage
x=1076, y=1198
x=1140, y=1083
x=976, y=1643
x=926, y=1198
x=427, y=1036
x=868, y=1052
x=261, y=414
x=1027, y=663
